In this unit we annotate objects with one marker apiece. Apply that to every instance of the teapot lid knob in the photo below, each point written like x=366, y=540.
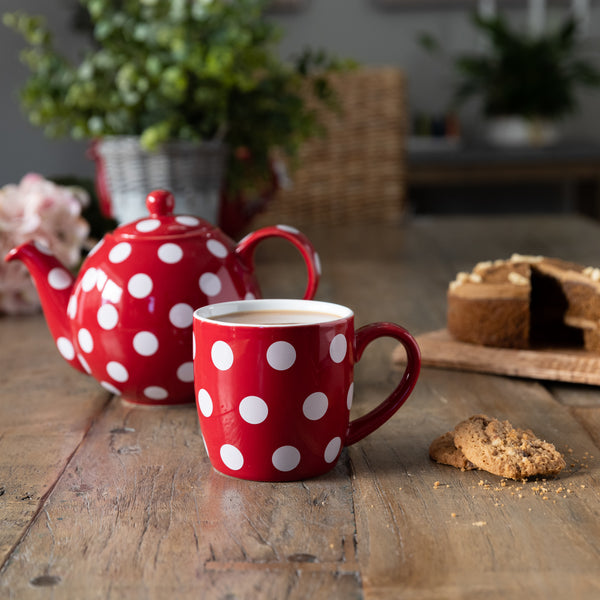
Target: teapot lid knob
x=160, y=203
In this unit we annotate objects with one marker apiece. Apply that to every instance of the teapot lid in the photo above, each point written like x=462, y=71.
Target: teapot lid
x=161, y=222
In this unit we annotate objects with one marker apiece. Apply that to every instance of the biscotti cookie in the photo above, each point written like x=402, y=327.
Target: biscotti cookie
x=443, y=451
x=499, y=448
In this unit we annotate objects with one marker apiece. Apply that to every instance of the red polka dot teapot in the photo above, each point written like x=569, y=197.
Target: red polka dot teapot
x=126, y=319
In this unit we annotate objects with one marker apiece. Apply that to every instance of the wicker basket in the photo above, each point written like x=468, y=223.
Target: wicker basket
x=193, y=172
x=356, y=173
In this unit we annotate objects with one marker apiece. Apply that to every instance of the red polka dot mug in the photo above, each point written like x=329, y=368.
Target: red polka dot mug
x=127, y=317
x=274, y=385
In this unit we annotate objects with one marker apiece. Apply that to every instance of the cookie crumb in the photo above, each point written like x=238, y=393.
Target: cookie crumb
x=479, y=523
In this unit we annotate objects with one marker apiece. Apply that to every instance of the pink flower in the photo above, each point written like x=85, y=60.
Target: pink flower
x=37, y=209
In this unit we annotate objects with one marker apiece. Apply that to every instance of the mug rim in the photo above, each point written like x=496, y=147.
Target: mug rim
x=211, y=312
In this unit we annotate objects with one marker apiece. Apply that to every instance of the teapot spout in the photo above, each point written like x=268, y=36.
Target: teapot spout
x=54, y=284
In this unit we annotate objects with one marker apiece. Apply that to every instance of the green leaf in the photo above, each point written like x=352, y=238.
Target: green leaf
x=168, y=69
x=521, y=74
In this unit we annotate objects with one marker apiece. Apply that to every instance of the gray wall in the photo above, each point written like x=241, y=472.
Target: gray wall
x=351, y=28
x=24, y=148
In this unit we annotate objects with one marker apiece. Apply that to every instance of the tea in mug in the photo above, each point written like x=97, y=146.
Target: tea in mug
x=276, y=317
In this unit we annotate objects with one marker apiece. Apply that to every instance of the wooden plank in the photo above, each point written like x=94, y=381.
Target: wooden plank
x=580, y=396
x=470, y=534
x=140, y=508
x=440, y=349
x=47, y=407
x=589, y=419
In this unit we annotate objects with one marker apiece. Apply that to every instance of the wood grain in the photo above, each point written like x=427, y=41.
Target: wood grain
x=140, y=499
x=471, y=534
x=440, y=349
x=46, y=410
x=103, y=499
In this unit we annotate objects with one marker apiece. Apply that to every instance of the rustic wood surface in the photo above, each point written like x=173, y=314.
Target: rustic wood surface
x=440, y=349
x=102, y=499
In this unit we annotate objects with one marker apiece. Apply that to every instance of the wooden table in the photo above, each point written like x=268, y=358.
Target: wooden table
x=100, y=499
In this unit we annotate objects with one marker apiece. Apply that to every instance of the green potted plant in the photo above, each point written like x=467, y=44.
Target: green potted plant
x=526, y=83
x=198, y=81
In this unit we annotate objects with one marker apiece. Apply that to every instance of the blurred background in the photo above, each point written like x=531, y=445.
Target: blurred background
x=373, y=32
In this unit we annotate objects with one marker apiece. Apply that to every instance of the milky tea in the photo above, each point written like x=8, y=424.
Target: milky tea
x=276, y=317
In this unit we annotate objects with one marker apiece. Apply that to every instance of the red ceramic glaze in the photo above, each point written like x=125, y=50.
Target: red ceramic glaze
x=274, y=400
x=127, y=317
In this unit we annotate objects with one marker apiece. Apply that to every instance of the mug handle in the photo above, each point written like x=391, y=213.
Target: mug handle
x=363, y=426
x=246, y=247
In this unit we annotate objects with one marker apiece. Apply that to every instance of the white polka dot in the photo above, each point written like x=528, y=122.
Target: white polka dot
x=281, y=355
x=286, y=458
x=338, y=348
x=249, y=296
x=210, y=284
x=232, y=457
x=147, y=225
x=65, y=348
x=88, y=281
x=185, y=372
x=86, y=342
x=117, y=371
x=205, y=403
x=170, y=253
x=217, y=248
x=350, y=396
x=120, y=253
x=332, y=450
x=253, y=410
x=59, y=279
x=140, y=285
x=188, y=220
x=108, y=316
x=181, y=315
x=287, y=228
x=315, y=406
x=112, y=292
x=145, y=343
x=101, y=279
x=155, y=392
x=110, y=387
x=84, y=364
x=221, y=355
x=72, y=307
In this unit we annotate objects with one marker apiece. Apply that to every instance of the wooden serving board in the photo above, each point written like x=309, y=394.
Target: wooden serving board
x=439, y=349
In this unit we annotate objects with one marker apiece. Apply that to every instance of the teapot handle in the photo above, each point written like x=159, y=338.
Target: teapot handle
x=246, y=247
